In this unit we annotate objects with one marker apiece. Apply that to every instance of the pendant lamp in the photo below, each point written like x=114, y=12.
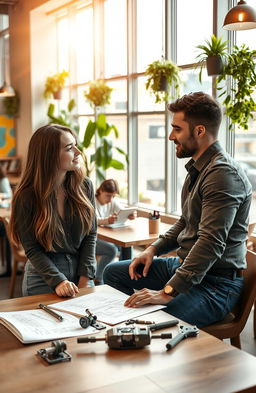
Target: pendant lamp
x=240, y=17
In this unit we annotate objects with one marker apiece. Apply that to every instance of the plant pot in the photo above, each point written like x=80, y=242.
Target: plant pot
x=214, y=65
x=57, y=94
x=163, y=85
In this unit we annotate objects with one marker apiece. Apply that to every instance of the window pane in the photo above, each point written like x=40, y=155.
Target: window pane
x=4, y=22
x=198, y=28
x=151, y=167
x=247, y=37
x=149, y=32
x=121, y=142
x=146, y=100
x=191, y=82
x=83, y=27
x=245, y=153
x=115, y=37
x=63, y=44
x=118, y=101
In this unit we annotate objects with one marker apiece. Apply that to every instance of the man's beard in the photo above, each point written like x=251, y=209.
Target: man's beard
x=184, y=152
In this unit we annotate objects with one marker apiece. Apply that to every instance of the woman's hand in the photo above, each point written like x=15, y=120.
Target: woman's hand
x=66, y=288
x=133, y=215
x=112, y=218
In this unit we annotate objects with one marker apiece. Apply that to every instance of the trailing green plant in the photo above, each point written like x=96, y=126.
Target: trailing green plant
x=239, y=104
x=55, y=83
x=158, y=70
x=213, y=47
x=98, y=93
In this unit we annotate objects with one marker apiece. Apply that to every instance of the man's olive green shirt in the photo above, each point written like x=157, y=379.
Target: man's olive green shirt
x=212, y=230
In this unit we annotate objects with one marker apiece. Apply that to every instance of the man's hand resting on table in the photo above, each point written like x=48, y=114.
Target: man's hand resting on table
x=147, y=296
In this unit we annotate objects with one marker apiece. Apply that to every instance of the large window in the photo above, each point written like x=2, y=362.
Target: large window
x=115, y=40
x=245, y=141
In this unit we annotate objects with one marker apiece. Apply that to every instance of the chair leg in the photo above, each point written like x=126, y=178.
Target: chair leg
x=13, y=278
x=235, y=341
x=254, y=320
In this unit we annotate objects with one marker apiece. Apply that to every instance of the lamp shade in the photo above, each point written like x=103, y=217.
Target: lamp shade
x=240, y=17
x=6, y=91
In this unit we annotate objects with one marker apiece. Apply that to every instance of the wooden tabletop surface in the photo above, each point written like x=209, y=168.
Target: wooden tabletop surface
x=135, y=234
x=201, y=364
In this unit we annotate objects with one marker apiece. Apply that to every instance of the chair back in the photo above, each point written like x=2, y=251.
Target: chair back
x=17, y=252
x=234, y=323
x=248, y=296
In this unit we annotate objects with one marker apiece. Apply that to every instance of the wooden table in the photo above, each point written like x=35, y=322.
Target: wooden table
x=200, y=364
x=135, y=234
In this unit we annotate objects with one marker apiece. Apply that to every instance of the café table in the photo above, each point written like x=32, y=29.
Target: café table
x=196, y=365
x=136, y=233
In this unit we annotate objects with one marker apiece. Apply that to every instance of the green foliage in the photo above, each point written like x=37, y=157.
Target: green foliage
x=103, y=158
x=213, y=47
x=98, y=93
x=65, y=118
x=240, y=104
x=155, y=72
x=55, y=83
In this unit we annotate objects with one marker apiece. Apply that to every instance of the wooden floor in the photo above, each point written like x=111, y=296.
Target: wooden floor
x=247, y=339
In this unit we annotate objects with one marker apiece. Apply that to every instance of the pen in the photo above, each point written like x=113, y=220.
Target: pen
x=51, y=312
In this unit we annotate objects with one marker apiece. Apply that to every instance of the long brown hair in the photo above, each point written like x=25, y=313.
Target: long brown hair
x=40, y=177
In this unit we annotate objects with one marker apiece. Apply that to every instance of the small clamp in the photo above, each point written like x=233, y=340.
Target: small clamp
x=56, y=353
x=90, y=320
x=138, y=321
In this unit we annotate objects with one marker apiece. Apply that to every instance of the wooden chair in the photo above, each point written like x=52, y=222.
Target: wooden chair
x=233, y=324
x=18, y=255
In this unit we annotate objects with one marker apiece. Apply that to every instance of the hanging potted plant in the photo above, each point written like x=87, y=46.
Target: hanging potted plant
x=98, y=95
x=239, y=103
x=213, y=54
x=54, y=84
x=161, y=75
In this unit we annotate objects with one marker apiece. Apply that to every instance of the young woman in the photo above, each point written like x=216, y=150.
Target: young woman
x=53, y=215
x=107, y=208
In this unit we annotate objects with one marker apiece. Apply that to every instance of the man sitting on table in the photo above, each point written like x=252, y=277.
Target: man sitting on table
x=203, y=283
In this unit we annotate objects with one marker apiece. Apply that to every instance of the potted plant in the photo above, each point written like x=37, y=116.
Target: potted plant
x=98, y=94
x=54, y=85
x=214, y=51
x=161, y=75
x=239, y=103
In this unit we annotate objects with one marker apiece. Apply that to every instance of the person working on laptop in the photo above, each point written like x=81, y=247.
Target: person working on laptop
x=203, y=283
x=107, y=208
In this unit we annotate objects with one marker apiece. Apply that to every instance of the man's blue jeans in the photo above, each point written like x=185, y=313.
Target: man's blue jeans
x=205, y=303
